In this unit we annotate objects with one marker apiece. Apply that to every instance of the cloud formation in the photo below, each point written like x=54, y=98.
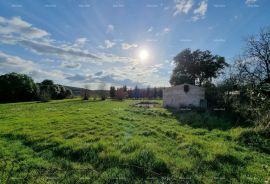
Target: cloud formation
x=71, y=65
x=46, y=48
x=13, y=31
x=67, y=57
x=165, y=31
x=182, y=6
x=199, y=13
x=109, y=44
x=150, y=29
x=80, y=42
x=10, y=63
x=17, y=27
x=126, y=46
x=250, y=2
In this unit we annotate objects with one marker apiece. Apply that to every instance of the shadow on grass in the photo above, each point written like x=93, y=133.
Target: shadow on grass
x=141, y=163
x=258, y=140
x=229, y=167
x=73, y=101
x=209, y=120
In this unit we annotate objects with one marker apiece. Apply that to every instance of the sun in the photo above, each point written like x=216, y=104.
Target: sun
x=143, y=55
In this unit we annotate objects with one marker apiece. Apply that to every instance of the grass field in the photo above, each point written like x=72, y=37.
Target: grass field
x=75, y=141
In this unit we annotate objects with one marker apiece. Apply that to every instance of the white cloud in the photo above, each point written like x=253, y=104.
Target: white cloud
x=182, y=6
x=150, y=29
x=109, y=44
x=126, y=46
x=250, y=2
x=114, y=58
x=136, y=73
x=17, y=27
x=57, y=51
x=200, y=12
x=47, y=47
x=166, y=30
x=110, y=28
x=16, y=31
x=80, y=41
x=71, y=65
x=10, y=63
x=170, y=62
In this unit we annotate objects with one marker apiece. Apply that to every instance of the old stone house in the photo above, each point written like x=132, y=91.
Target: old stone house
x=184, y=95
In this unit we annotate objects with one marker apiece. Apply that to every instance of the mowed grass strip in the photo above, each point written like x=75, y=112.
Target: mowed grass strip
x=75, y=141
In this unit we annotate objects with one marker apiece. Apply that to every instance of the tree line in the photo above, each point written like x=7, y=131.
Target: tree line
x=121, y=93
x=20, y=87
x=136, y=93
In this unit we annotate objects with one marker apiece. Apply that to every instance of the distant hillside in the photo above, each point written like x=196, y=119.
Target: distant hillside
x=77, y=91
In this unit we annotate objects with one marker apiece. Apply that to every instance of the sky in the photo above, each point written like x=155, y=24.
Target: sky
x=120, y=42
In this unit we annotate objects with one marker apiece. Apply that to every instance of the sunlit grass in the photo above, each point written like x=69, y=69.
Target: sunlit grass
x=110, y=141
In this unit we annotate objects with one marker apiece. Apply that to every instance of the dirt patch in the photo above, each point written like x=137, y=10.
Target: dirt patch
x=147, y=104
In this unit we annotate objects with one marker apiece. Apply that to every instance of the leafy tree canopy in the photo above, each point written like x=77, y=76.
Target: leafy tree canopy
x=196, y=67
x=16, y=87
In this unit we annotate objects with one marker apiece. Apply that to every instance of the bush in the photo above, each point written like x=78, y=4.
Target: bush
x=17, y=87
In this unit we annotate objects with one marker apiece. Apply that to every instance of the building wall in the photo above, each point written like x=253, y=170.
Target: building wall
x=176, y=96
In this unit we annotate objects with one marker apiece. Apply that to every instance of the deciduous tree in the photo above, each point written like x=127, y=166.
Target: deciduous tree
x=196, y=67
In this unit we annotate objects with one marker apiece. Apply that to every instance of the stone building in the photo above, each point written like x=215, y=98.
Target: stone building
x=184, y=95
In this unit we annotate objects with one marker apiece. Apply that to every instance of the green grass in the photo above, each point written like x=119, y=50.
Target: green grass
x=74, y=141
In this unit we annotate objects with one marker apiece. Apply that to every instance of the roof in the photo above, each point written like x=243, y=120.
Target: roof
x=178, y=86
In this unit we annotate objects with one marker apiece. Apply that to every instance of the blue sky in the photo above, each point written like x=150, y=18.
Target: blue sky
x=78, y=43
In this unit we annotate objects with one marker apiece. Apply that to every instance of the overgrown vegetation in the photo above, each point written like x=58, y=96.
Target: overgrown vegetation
x=75, y=141
x=244, y=91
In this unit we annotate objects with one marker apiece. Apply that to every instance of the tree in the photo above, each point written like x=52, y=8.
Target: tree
x=55, y=91
x=102, y=92
x=252, y=71
x=45, y=92
x=155, y=92
x=196, y=67
x=160, y=92
x=254, y=64
x=85, y=93
x=112, y=92
x=47, y=82
x=16, y=87
x=148, y=92
x=125, y=88
x=49, y=90
x=136, y=92
x=69, y=93
x=120, y=94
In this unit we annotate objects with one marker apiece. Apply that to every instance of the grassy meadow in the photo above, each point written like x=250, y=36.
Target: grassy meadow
x=75, y=141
